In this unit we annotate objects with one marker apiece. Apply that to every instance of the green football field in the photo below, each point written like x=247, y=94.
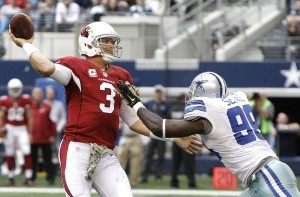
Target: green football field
x=150, y=189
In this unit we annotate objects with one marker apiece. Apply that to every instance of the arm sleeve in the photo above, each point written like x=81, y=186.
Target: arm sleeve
x=127, y=114
x=62, y=74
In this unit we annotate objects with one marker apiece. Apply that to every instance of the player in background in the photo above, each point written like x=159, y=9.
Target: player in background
x=228, y=129
x=86, y=153
x=42, y=135
x=58, y=114
x=15, y=124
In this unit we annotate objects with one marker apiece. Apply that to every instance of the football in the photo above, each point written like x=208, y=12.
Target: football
x=21, y=26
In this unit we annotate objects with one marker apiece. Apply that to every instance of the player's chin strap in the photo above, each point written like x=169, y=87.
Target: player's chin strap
x=97, y=152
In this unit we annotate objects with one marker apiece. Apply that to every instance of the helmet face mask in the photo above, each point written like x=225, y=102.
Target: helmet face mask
x=105, y=46
x=90, y=41
x=15, y=88
x=207, y=84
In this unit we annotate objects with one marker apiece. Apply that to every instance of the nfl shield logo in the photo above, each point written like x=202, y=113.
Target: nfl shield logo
x=92, y=73
x=104, y=74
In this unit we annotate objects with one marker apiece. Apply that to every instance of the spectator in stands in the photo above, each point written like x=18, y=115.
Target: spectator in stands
x=263, y=111
x=19, y=3
x=130, y=152
x=58, y=114
x=115, y=7
x=288, y=142
x=179, y=156
x=6, y=12
x=288, y=4
x=160, y=107
x=139, y=8
x=111, y=6
x=33, y=13
x=15, y=125
x=293, y=45
x=283, y=123
x=42, y=135
x=66, y=14
x=294, y=15
x=98, y=10
x=47, y=15
x=130, y=2
x=123, y=7
x=158, y=7
x=85, y=6
x=293, y=33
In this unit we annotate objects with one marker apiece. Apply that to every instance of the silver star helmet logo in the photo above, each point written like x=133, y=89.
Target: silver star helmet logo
x=200, y=84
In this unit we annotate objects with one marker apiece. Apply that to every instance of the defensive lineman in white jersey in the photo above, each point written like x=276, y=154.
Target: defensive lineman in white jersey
x=234, y=138
x=228, y=129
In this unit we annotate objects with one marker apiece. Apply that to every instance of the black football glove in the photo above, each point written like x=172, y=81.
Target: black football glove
x=129, y=93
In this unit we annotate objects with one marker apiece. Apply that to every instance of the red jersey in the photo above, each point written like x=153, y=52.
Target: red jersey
x=15, y=111
x=43, y=127
x=93, y=106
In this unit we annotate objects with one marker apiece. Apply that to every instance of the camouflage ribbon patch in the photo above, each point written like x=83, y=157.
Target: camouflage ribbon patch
x=96, y=154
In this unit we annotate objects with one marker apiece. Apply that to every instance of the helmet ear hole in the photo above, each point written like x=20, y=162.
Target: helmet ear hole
x=89, y=46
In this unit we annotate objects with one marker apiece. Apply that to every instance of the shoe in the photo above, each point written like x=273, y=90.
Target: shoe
x=29, y=182
x=192, y=186
x=10, y=183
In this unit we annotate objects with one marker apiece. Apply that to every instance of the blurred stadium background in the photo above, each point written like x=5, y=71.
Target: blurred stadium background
x=245, y=41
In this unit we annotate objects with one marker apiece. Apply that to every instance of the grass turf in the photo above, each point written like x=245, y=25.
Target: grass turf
x=204, y=182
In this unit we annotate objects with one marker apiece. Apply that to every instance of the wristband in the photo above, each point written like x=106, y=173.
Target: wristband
x=164, y=128
x=29, y=49
x=161, y=139
x=137, y=106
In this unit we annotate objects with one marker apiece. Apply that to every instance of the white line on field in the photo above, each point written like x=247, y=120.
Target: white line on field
x=134, y=191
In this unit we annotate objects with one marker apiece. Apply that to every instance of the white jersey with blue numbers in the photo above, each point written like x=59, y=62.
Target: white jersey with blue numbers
x=235, y=137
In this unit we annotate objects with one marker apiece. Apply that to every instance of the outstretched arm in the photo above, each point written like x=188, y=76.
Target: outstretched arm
x=168, y=127
x=189, y=144
x=160, y=127
x=41, y=63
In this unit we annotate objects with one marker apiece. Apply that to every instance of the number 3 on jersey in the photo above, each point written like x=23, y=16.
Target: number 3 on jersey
x=243, y=124
x=109, y=97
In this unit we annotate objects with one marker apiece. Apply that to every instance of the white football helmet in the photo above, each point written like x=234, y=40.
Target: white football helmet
x=15, y=87
x=207, y=84
x=90, y=41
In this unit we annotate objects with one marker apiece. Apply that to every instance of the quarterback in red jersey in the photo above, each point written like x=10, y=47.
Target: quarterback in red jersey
x=15, y=117
x=86, y=153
